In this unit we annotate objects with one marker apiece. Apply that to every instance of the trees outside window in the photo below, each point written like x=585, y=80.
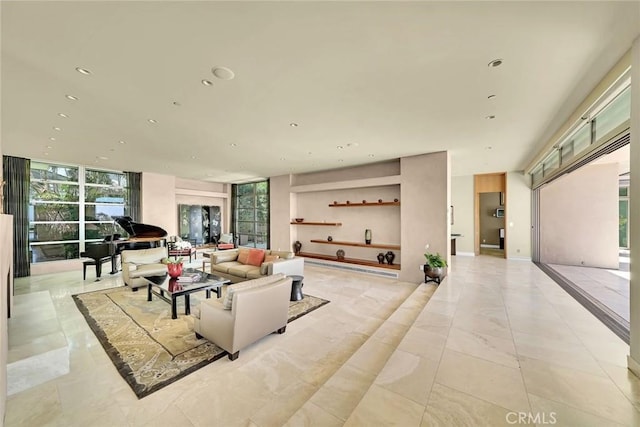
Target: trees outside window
x=251, y=214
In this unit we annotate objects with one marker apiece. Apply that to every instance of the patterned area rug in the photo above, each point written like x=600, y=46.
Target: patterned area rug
x=149, y=349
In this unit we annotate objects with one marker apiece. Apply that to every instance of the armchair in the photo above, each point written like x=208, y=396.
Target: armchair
x=137, y=264
x=224, y=241
x=257, y=308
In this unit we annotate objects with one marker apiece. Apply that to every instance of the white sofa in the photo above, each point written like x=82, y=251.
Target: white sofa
x=249, y=311
x=140, y=263
x=229, y=264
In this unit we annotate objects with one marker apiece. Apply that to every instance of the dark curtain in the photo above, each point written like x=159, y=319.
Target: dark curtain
x=234, y=214
x=134, y=186
x=17, y=174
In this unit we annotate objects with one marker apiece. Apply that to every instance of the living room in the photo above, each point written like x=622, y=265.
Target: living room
x=331, y=103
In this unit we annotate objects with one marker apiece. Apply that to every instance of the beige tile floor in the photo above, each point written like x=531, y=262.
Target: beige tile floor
x=497, y=340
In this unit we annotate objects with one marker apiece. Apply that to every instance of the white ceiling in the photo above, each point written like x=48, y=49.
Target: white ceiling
x=381, y=79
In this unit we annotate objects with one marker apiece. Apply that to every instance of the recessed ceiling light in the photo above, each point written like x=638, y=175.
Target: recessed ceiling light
x=57, y=129
x=488, y=147
x=340, y=160
x=122, y=142
x=490, y=117
x=491, y=96
x=45, y=153
x=52, y=138
x=49, y=147
x=71, y=97
x=223, y=73
x=352, y=144
x=176, y=103
x=293, y=125
x=102, y=158
x=83, y=71
x=207, y=82
x=495, y=63
x=339, y=147
x=112, y=149
x=310, y=153
x=152, y=121
x=283, y=158
x=372, y=155
x=193, y=157
x=233, y=144
x=63, y=115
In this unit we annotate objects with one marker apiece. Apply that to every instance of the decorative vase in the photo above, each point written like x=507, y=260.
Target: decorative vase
x=367, y=236
x=380, y=258
x=390, y=256
x=174, y=270
x=297, y=246
x=330, y=239
x=340, y=254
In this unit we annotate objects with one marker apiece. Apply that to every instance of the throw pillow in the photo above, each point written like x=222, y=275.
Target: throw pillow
x=226, y=238
x=256, y=256
x=271, y=258
x=243, y=256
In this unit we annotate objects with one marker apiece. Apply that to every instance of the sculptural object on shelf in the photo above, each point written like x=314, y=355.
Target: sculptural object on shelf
x=296, y=247
x=367, y=236
x=390, y=256
x=380, y=258
x=329, y=239
x=340, y=254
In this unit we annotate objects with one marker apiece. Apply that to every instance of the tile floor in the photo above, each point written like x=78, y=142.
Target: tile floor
x=497, y=340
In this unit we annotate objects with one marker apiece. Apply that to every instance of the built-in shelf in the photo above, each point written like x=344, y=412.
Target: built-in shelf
x=360, y=245
x=316, y=223
x=353, y=205
x=350, y=260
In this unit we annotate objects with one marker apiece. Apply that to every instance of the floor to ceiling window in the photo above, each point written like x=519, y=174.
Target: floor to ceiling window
x=71, y=205
x=251, y=214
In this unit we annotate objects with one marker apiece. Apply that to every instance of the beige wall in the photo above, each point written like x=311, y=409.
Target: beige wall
x=462, y=201
x=159, y=206
x=282, y=207
x=425, y=198
x=579, y=218
x=374, y=170
x=518, y=216
x=490, y=224
x=192, y=192
x=6, y=301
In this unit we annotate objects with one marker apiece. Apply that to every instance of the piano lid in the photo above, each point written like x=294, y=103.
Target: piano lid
x=137, y=229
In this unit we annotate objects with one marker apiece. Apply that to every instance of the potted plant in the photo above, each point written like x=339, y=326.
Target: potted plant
x=435, y=267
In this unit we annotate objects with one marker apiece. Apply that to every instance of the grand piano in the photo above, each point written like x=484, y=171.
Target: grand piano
x=141, y=236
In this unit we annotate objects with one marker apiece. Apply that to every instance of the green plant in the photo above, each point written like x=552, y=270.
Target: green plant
x=435, y=260
x=172, y=261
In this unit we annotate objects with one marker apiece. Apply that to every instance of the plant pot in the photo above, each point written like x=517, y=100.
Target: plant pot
x=434, y=273
x=174, y=270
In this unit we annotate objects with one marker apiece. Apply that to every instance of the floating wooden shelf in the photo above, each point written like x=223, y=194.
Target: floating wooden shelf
x=349, y=260
x=360, y=245
x=316, y=223
x=352, y=205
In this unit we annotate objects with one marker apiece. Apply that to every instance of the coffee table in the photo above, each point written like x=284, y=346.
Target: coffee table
x=168, y=289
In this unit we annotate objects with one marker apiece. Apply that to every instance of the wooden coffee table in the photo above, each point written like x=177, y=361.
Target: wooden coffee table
x=168, y=289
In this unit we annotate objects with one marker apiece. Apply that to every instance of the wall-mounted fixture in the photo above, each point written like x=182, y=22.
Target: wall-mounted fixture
x=499, y=213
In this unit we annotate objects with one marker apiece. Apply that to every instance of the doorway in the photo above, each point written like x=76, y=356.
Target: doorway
x=490, y=234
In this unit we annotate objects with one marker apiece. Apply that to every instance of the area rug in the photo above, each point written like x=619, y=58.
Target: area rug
x=149, y=349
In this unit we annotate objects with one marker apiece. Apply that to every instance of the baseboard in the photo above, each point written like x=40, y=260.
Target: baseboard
x=391, y=274
x=487, y=245
x=465, y=254
x=519, y=258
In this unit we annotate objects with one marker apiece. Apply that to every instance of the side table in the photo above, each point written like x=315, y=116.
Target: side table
x=296, y=288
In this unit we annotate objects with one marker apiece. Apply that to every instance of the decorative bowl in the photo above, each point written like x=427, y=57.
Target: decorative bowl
x=298, y=219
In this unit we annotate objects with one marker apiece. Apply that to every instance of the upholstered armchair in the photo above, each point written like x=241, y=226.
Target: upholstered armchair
x=224, y=241
x=141, y=263
x=249, y=311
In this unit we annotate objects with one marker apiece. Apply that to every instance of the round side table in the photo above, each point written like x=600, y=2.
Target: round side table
x=296, y=288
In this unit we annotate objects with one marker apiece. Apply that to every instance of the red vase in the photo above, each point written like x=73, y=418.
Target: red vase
x=174, y=270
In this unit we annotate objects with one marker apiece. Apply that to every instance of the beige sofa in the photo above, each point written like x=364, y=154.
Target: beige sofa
x=232, y=265
x=249, y=311
x=140, y=263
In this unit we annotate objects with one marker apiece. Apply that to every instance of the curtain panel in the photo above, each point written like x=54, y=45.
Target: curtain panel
x=17, y=174
x=134, y=190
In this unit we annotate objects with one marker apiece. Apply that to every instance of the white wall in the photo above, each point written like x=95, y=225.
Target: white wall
x=518, y=216
x=282, y=210
x=579, y=218
x=462, y=202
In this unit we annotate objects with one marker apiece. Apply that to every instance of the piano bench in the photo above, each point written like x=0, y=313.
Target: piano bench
x=98, y=263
